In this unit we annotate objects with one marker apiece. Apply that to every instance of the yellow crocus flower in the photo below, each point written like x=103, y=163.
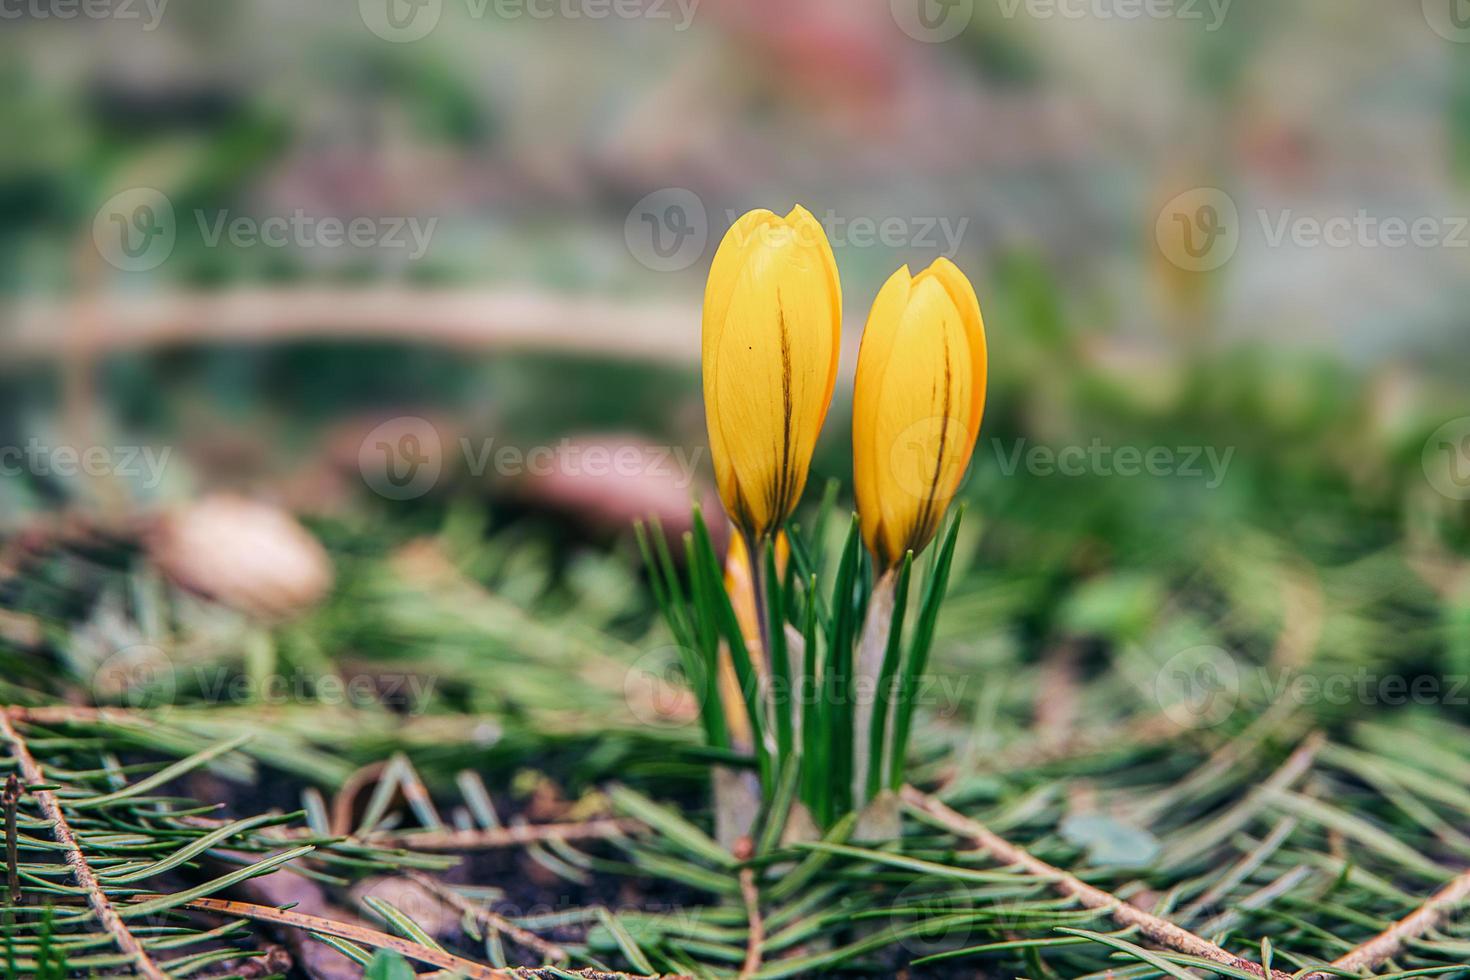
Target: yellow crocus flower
x=917, y=404
x=772, y=329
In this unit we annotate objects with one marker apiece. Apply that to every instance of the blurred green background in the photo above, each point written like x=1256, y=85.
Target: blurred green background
x=1221, y=250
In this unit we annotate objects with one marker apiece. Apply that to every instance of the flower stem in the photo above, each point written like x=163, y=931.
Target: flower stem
x=755, y=549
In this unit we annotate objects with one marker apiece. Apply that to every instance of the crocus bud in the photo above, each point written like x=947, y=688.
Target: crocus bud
x=917, y=403
x=772, y=328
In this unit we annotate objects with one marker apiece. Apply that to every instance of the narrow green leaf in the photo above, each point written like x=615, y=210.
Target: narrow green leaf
x=198, y=846
x=671, y=825
x=704, y=673
x=801, y=561
x=400, y=923
x=814, y=862
x=918, y=658
x=165, y=902
x=1148, y=956
x=625, y=941
x=656, y=581
x=836, y=709
x=807, y=701
x=384, y=965
x=163, y=776
x=773, y=822
x=718, y=602
x=783, y=702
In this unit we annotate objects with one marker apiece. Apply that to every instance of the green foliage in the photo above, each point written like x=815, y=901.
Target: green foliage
x=819, y=702
x=386, y=965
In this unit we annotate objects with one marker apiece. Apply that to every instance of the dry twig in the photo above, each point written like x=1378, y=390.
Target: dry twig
x=101, y=905
x=1160, y=931
x=1387, y=944
x=353, y=933
x=756, y=936
x=467, y=319
x=497, y=837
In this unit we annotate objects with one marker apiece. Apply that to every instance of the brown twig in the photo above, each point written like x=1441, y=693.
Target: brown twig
x=60, y=830
x=352, y=933
x=511, y=836
x=469, y=319
x=491, y=919
x=365, y=936
x=756, y=936
x=346, y=797
x=1160, y=931
x=1387, y=944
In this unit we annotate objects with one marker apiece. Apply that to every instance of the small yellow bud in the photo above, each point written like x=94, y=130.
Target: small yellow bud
x=917, y=404
x=772, y=328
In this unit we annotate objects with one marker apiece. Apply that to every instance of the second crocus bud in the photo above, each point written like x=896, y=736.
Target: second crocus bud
x=917, y=405
x=772, y=327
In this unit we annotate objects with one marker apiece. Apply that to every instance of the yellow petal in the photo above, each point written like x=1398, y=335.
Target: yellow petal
x=963, y=294
x=917, y=406
x=877, y=345
x=772, y=323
